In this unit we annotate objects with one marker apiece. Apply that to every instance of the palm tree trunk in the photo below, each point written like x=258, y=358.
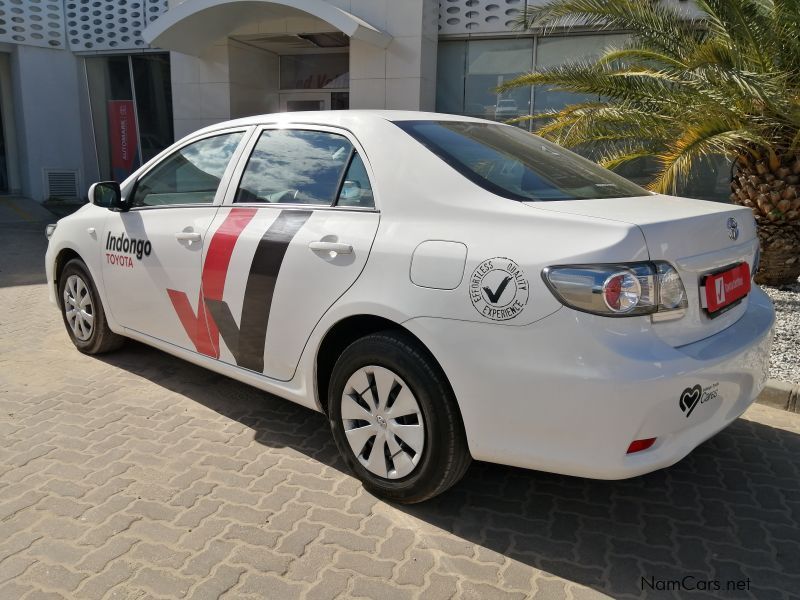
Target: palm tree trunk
x=771, y=189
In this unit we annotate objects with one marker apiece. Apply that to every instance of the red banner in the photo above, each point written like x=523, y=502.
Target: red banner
x=122, y=137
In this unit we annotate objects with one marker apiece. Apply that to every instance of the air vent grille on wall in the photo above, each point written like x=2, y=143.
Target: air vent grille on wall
x=479, y=16
x=110, y=24
x=32, y=22
x=60, y=183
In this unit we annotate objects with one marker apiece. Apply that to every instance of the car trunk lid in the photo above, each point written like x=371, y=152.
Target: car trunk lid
x=697, y=237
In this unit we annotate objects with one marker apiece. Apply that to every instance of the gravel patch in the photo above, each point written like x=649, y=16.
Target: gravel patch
x=784, y=362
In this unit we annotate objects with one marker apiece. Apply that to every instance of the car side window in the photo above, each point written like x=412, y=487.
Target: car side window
x=356, y=189
x=190, y=175
x=295, y=166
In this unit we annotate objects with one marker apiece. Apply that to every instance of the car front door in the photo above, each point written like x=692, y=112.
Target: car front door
x=291, y=239
x=152, y=252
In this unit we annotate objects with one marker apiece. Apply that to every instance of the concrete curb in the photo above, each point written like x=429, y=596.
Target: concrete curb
x=781, y=394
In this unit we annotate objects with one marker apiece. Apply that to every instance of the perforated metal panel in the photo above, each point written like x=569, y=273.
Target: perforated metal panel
x=110, y=24
x=32, y=22
x=478, y=16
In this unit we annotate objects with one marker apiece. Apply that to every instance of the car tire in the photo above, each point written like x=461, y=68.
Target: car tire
x=82, y=311
x=415, y=423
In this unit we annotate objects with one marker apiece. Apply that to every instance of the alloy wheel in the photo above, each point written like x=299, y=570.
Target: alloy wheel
x=78, y=307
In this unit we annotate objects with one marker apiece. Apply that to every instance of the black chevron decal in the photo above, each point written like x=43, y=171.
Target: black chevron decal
x=246, y=341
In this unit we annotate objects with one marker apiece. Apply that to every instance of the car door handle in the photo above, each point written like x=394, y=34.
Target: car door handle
x=188, y=236
x=331, y=247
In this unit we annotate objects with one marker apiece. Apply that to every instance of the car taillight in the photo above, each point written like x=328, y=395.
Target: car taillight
x=619, y=290
x=671, y=293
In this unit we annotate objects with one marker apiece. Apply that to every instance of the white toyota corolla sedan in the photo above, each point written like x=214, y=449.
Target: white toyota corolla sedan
x=442, y=288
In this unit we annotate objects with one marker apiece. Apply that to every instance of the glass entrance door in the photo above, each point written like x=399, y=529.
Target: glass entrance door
x=131, y=103
x=8, y=166
x=3, y=170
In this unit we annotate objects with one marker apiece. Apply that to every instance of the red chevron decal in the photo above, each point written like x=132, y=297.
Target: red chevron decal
x=200, y=327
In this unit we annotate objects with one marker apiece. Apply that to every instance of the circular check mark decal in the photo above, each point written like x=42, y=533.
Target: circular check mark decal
x=498, y=289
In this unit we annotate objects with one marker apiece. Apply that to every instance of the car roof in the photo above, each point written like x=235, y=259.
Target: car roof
x=349, y=119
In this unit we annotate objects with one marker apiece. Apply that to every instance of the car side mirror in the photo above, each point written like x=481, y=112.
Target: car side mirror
x=107, y=194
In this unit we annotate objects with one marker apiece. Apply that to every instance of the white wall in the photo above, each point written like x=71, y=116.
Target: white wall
x=403, y=76
x=253, y=80
x=200, y=88
x=230, y=79
x=48, y=117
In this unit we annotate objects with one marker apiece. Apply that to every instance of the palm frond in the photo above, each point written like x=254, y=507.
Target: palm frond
x=744, y=24
x=582, y=124
x=622, y=154
x=699, y=141
x=786, y=24
x=619, y=83
x=638, y=54
x=659, y=25
x=681, y=89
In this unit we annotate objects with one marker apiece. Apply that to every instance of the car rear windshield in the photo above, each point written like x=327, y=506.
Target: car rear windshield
x=512, y=163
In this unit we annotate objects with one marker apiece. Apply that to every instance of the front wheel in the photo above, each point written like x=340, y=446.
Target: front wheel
x=395, y=419
x=82, y=311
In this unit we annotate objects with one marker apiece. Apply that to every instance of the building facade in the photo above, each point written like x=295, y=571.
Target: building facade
x=89, y=89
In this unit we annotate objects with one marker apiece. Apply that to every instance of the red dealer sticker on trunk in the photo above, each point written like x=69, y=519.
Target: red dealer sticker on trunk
x=725, y=288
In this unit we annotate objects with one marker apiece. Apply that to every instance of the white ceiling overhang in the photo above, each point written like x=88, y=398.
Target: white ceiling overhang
x=192, y=26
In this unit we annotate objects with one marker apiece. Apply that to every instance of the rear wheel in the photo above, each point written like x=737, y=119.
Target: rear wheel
x=395, y=419
x=82, y=311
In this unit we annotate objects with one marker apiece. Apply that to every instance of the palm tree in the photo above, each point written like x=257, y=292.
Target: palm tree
x=727, y=83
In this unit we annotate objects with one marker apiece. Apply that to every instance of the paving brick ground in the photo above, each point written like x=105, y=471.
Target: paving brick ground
x=137, y=475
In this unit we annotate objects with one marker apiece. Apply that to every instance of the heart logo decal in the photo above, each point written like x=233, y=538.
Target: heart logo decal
x=690, y=397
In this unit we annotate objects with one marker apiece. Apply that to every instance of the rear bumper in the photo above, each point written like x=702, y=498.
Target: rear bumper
x=569, y=393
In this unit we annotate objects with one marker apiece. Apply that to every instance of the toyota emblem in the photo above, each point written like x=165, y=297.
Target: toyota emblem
x=733, y=228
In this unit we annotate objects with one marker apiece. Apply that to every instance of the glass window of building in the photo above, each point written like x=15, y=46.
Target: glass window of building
x=315, y=71
x=558, y=50
x=450, y=77
x=470, y=70
x=131, y=106
x=489, y=64
x=151, y=77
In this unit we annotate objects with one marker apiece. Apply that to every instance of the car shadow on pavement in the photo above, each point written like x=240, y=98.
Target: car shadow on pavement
x=728, y=513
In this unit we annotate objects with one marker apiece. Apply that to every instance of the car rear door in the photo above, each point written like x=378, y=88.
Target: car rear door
x=152, y=253
x=291, y=238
